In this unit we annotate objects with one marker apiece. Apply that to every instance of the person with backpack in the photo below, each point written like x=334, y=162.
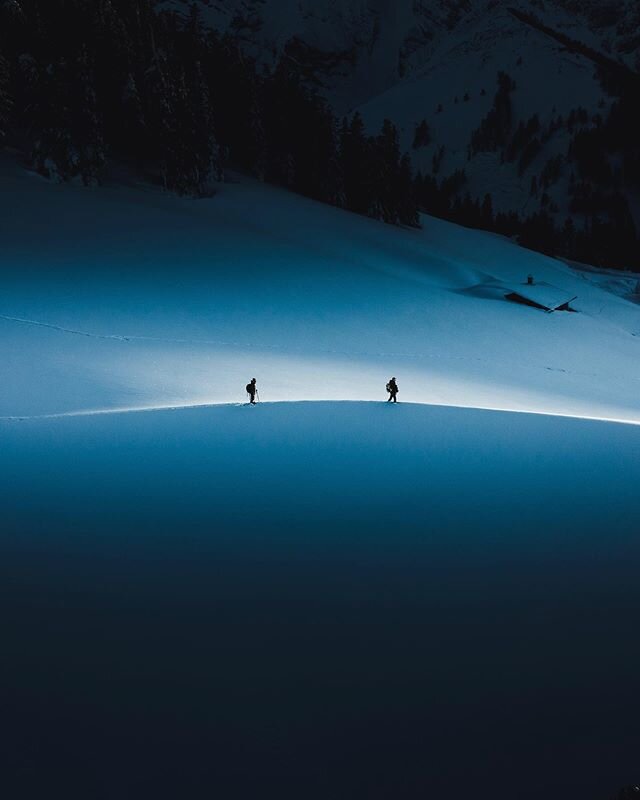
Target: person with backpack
x=252, y=391
x=392, y=388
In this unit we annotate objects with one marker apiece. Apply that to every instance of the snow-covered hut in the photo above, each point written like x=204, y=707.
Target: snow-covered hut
x=542, y=295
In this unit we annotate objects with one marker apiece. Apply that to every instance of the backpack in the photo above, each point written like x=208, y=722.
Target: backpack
x=389, y=387
x=251, y=388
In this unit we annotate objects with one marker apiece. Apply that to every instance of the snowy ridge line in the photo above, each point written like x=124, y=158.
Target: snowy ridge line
x=191, y=406
x=289, y=349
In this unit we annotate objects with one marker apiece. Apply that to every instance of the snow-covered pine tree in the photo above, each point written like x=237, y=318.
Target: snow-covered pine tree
x=87, y=124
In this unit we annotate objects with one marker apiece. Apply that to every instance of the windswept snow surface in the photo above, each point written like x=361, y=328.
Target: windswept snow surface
x=335, y=598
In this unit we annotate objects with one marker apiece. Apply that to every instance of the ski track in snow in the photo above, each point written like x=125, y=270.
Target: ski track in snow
x=61, y=329
x=295, y=350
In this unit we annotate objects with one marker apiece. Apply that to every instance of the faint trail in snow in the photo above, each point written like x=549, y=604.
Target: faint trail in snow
x=296, y=350
x=60, y=329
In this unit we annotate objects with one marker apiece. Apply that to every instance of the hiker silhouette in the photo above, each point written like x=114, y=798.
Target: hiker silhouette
x=392, y=388
x=252, y=391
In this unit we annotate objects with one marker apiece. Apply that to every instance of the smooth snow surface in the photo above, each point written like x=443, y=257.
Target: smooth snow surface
x=336, y=598
x=124, y=298
x=319, y=600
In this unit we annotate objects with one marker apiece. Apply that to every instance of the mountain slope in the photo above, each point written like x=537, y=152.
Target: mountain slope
x=127, y=297
x=387, y=40
x=438, y=62
x=456, y=89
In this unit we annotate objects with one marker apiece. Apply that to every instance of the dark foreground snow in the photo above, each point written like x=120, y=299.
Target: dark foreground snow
x=319, y=600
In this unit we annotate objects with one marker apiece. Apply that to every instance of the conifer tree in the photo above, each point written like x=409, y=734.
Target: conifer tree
x=487, y=212
x=422, y=136
x=355, y=160
x=5, y=100
x=386, y=167
x=407, y=203
x=496, y=126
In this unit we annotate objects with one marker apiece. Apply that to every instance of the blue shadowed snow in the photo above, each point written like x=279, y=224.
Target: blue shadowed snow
x=307, y=599
x=320, y=600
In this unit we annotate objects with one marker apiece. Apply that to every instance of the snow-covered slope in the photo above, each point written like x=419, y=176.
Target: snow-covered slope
x=319, y=600
x=307, y=599
x=455, y=89
x=125, y=297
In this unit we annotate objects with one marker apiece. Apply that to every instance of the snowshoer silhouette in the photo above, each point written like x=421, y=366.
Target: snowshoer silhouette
x=252, y=390
x=392, y=388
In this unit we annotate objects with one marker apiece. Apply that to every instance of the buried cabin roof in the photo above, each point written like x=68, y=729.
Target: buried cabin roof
x=543, y=295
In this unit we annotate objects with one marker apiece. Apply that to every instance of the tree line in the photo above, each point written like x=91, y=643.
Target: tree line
x=600, y=167
x=85, y=83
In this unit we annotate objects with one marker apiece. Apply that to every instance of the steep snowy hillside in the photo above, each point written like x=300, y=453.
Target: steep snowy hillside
x=455, y=90
x=128, y=297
